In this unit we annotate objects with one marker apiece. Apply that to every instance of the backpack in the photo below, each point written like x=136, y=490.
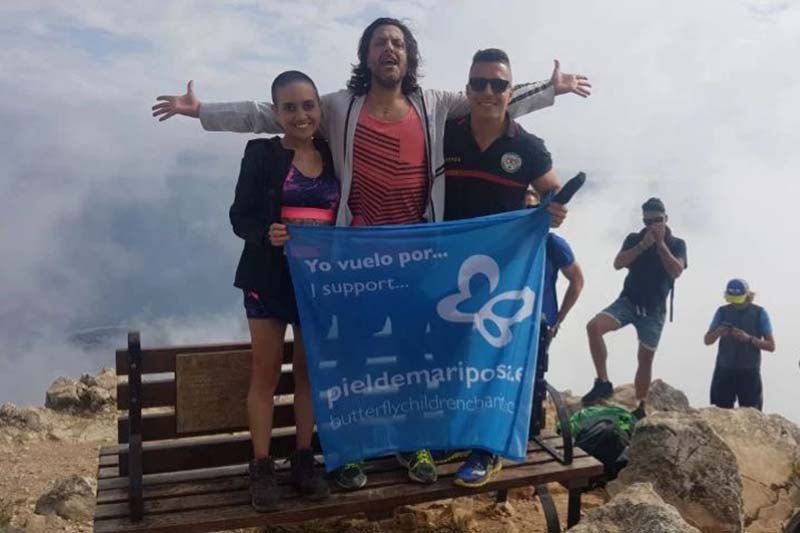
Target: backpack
x=604, y=432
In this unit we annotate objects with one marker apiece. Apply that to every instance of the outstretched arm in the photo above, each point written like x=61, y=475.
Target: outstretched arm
x=530, y=97
x=243, y=117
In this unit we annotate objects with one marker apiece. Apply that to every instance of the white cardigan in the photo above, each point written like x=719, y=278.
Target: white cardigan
x=340, y=112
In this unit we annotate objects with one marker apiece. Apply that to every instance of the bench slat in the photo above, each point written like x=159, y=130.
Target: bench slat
x=171, y=456
x=160, y=426
x=155, y=393
x=212, y=451
x=380, y=472
x=160, y=360
x=231, y=509
x=161, y=392
x=393, y=476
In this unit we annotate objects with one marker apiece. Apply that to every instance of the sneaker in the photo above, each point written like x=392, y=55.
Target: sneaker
x=639, y=412
x=478, y=469
x=600, y=391
x=445, y=456
x=263, y=485
x=421, y=467
x=306, y=480
x=351, y=476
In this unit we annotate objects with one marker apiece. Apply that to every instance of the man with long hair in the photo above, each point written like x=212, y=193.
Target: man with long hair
x=386, y=135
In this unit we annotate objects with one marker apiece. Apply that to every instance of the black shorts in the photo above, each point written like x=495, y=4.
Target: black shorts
x=731, y=384
x=279, y=306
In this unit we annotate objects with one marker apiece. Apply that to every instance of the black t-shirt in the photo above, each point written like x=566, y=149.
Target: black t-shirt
x=648, y=283
x=493, y=181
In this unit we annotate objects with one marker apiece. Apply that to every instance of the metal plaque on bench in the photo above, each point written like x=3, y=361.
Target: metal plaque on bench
x=211, y=391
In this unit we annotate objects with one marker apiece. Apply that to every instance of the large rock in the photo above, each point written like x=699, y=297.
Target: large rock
x=690, y=467
x=71, y=498
x=767, y=451
x=62, y=394
x=21, y=418
x=89, y=394
x=663, y=397
x=660, y=397
x=636, y=509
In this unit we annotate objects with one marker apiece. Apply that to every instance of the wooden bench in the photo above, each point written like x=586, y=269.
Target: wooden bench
x=181, y=461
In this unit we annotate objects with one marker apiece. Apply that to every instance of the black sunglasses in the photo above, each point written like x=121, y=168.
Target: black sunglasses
x=655, y=220
x=479, y=84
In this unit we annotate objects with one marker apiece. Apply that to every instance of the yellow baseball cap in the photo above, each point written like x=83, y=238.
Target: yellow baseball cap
x=736, y=292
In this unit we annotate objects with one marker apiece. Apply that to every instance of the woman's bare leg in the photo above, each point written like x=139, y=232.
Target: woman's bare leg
x=303, y=403
x=267, y=338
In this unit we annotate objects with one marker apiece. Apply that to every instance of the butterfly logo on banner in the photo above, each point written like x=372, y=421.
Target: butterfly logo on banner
x=483, y=265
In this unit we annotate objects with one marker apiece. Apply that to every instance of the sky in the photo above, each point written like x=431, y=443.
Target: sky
x=110, y=220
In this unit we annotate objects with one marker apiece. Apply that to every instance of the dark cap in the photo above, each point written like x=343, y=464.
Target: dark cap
x=654, y=204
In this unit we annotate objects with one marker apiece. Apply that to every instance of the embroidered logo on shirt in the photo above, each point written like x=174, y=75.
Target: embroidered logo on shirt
x=511, y=162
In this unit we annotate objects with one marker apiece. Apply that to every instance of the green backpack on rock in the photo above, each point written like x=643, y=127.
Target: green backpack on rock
x=604, y=432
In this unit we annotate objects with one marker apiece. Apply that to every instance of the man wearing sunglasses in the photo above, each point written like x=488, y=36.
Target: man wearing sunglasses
x=654, y=259
x=490, y=162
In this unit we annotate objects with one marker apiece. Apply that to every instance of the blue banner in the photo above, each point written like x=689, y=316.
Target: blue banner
x=421, y=336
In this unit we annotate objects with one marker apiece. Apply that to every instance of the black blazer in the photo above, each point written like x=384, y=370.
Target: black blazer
x=257, y=204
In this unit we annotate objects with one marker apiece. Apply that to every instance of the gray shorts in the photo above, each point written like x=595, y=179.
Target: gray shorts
x=648, y=324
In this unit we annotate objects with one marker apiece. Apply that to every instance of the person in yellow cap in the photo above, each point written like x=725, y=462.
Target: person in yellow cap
x=743, y=330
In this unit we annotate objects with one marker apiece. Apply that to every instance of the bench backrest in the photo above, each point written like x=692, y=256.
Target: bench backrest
x=193, y=401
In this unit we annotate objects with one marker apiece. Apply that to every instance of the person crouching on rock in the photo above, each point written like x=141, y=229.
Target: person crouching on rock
x=281, y=179
x=654, y=259
x=743, y=330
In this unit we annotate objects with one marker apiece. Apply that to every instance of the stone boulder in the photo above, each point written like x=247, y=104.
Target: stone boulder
x=21, y=418
x=690, y=467
x=71, y=498
x=88, y=394
x=767, y=451
x=663, y=397
x=660, y=397
x=636, y=509
x=62, y=394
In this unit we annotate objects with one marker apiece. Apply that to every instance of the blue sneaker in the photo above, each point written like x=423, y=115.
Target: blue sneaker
x=478, y=469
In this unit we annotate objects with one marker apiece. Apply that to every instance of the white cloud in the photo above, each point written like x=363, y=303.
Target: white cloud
x=694, y=102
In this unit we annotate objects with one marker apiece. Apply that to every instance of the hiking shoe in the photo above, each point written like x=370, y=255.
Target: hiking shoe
x=600, y=391
x=263, y=485
x=421, y=467
x=445, y=456
x=351, y=476
x=306, y=480
x=639, y=412
x=478, y=469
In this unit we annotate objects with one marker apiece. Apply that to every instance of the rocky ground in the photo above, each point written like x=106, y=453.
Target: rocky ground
x=690, y=470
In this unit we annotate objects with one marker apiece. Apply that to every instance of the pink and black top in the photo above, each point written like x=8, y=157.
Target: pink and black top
x=310, y=201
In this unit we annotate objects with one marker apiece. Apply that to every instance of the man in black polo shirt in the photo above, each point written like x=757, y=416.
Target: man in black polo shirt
x=490, y=159
x=489, y=163
x=654, y=259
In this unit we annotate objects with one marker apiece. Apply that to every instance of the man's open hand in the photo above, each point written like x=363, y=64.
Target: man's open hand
x=569, y=83
x=185, y=104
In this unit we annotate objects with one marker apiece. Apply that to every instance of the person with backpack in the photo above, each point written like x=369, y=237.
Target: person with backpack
x=743, y=330
x=655, y=258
